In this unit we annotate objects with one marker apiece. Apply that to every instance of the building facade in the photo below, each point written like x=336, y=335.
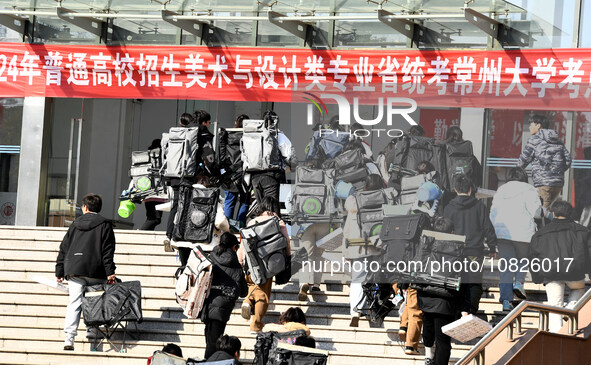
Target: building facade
x=60, y=142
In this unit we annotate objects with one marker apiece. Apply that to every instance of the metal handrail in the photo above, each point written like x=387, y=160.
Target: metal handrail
x=477, y=351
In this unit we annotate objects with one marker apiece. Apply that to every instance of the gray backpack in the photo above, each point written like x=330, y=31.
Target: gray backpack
x=370, y=214
x=259, y=146
x=313, y=195
x=140, y=171
x=410, y=185
x=179, y=148
x=266, y=250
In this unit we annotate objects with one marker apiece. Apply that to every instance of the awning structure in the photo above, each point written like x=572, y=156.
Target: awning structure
x=434, y=24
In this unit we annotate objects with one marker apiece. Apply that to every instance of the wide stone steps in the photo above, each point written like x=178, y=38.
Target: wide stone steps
x=32, y=315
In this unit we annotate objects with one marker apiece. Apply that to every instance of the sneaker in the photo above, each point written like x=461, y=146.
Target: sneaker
x=429, y=361
x=69, y=343
x=303, y=295
x=402, y=334
x=507, y=306
x=355, y=320
x=167, y=247
x=315, y=288
x=519, y=290
x=245, y=311
x=409, y=350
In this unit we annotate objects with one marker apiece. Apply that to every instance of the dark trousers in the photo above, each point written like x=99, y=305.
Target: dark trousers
x=213, y=330
x=173, y=209
x=230, y=204
x=184, y=253
x=153, y=217
x=471, y=294
x=432, y=335
x=265, y=185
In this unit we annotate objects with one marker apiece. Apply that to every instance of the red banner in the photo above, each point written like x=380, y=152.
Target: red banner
x=542, y=79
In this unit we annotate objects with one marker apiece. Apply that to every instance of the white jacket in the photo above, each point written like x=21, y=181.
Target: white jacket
x=514, y=207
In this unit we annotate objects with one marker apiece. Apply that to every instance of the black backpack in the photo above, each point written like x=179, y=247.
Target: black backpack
x=266, y=344
x=229, y=154
x=460, y=159
x=298, y=355
x=409, y=151
x=399, y=237
x=195, y=217
x=108, y=304
x=443, y=282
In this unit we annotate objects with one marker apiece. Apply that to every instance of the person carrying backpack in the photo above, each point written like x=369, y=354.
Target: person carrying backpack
x=220, y=223
x=266, y=176
x=567, y=246
x=460, y=159
x=352, y=230
x=514, y=207
x=257, y=300
x=471, y=219
x=206, y=161
x=548, y=157
x=185, y=121
x=228, y=283
x=229, y=153
x=438, y=311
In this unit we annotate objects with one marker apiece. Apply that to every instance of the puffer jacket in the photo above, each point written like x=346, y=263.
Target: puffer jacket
x=514, y=207
x=228, y=283
x=562, y=239
x=548, y=157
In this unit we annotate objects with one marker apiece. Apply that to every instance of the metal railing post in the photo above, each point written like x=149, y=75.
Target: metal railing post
x=518, y=325
x=541, y=321
x=510, y=331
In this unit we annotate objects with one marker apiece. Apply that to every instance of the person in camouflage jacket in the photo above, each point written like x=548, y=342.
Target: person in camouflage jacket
x=549, y=159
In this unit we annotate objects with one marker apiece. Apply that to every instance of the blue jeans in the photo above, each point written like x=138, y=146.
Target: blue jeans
x=230, y=204
x=511, y=250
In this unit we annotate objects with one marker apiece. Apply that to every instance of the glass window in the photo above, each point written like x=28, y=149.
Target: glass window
x=366, y=33
x=508, y=135
x=585, y=28
x=9, y=35
x=582, y=164
x=11, y=117
x=143, y=31
x=224, y=32
x=56, y=30
x=550, y=23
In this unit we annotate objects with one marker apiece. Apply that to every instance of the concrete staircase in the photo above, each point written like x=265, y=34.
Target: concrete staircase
x=31, y=325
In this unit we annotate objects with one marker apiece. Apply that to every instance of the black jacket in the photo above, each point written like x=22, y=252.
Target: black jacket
x=222, y=355
x=228, y=283
x=562, y=239
x=471, y=219
x=87, y=249
x=430, y=303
